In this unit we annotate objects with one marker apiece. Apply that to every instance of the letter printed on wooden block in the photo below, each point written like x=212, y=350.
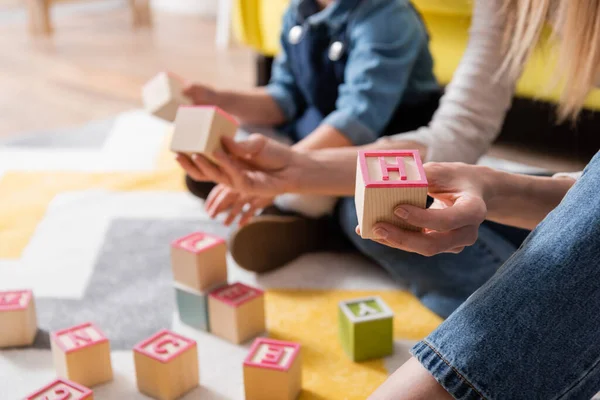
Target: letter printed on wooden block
x=18, y=321
x=62, y=389
x=199, y=261
x=236, y=312
x=192, y=306
x=82, y=354
x=384, y=180
x=366, y=328
x=166, y=365
x=273, y=370
x=163, y=95
x=199, y=129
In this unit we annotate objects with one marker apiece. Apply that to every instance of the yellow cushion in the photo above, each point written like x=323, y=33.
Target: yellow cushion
x=258, y=24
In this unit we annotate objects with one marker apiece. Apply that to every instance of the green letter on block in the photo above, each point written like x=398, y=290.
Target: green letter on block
x=366, y=328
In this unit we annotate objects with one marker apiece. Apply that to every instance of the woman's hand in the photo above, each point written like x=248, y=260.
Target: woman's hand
x=256, y=166
x=201, y=95
x=452, y=223
x=223, y=198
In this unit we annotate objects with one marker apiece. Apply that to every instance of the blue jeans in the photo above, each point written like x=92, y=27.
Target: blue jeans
x=532, y=331
x=443, y=282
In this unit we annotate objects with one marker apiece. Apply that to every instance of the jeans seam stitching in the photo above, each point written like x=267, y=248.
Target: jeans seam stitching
x=461, y=377
x=578, y=381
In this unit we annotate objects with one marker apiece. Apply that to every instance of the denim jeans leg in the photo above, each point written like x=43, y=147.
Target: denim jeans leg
x=443, y=282
x=531, y=332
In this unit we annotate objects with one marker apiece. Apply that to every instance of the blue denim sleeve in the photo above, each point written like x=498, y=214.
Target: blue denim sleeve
x=385, y=42
x=282, y=85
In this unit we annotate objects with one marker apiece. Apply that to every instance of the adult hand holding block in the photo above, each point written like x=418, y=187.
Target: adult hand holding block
x=199, y=129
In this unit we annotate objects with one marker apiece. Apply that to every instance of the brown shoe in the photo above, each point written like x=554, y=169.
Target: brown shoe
x=271, y=241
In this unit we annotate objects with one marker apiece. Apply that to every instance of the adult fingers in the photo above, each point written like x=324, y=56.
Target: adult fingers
x=233, y=170
x=466, y=210
x=245, y=149
x=190, y=168
x=210, y=170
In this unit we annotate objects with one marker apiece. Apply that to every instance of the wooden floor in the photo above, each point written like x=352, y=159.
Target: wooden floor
x=95, y=64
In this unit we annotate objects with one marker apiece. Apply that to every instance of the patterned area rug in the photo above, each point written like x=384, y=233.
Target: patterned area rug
x=86, y=218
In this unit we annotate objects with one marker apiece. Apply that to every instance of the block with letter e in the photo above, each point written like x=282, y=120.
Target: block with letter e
x=366, y=328
x=62, y=389
x=166, y=365
x=384, y=180
x=199, y=261
x=18, y=321
x=163, y=94
x=199, y=129
x=82, y=354
x=273, y=370
x=236, y=312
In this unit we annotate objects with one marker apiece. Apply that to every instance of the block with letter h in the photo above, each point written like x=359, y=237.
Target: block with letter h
x=199, y=129
x=236, y=312
x=18, y=321
x=163, y=94
x=384, y=180
x=273, y=370
x=62, y=389
x=366, y=328
x=166, y=365
x=82, y=354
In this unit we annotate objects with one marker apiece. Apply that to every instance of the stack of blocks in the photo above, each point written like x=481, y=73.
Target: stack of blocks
x=205, y=301
x=384, y=180
x=366, y=328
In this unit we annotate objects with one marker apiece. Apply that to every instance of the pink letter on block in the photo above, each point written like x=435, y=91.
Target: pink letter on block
x=272, y=354
x=61, y=389
x=236, y=294
x=78, y=337
x=392, y=168
x=17, y=300
x=164, y=346
x=198, y=242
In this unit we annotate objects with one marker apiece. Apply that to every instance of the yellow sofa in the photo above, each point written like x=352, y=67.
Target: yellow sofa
x=257, y=23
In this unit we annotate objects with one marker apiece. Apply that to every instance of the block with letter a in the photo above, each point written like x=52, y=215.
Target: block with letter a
x=163, y=95
x=62, y=389
x=236, y=312
x=166, y=365
x=82, y=354
x=199, y=261
x=18, y=321
x=273, y=370
x=384, y=180
x=199, y=129
x=366, y=328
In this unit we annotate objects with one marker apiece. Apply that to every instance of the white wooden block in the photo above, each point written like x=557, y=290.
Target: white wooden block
x=273, y=370
x=384, y=180
x=62, y=389
x=162, y=95
x=18, y=321
x=199, y=129
x=82, y=354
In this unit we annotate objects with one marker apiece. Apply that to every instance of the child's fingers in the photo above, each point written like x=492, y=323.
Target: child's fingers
x=249, y=213
x=223, y=202
x=212, y=196
x=235, y=211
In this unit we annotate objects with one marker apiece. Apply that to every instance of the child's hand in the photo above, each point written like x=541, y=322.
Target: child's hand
x=223, y=198
x=201, y=95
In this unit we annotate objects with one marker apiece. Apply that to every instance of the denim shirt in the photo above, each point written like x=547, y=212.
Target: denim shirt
x=389, y=63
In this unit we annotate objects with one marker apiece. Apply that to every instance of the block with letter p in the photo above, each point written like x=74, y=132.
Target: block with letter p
x=62, y=389
x=18, y=321
x=82, y=354
x=273, y=370
x=166, y=365
x=366, y=328
x=384, y=180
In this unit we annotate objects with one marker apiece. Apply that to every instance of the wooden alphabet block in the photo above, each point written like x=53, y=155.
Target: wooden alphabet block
x=166, y=365
x=163, y=95
x=62, y=389
x=366, y=328
x=18, y=321
x=199, y=129
x=273, y=370
x=384, y=180
x=199, y=261
x=192, y=306
x=236, y=312
x=82, y=354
